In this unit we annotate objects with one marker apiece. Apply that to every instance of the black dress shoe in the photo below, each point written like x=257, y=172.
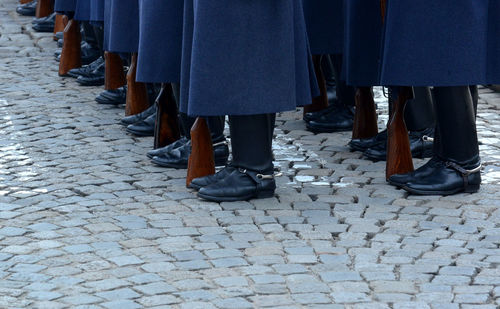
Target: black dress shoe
x=86, y=70
x=27, y=9
x=315, y=115
x=144, y=127
x=240, y=185
x=160, y=151
x=336, y=120
x=400, y=180
x=59, y=35
x=113, y=96
x=128, y=120
x=362, y=144
x=95, y=78
x=421, y=145
x=60, y=43
x=44, y=24
x=179, y=157
x=446, y=178
x=201, y=182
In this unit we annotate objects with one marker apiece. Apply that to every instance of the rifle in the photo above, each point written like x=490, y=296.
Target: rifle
x=137, y=94
x=114, y=76
x=321, y=102
x=399, y=158
x=201, y=161
x=71, y=50
x=167, y=128
x=24, y=1
x=59, y=25
x=44, y=8
x=365, y=116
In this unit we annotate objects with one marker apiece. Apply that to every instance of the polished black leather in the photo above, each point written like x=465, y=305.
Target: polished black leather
x=113, y=96
x=201, y=182
x=88, y=53
x=446, y=178
x=399, y=180
x=315, y=115
x=421, y=146
x=44, y=24
x=59, y=35
x=60, y=43
x=240, y=185
x=27, y=9
x=144, y=127
x=86, y=70
x=160, y=151
x=179, y=157
x=362, y=144
x=128, y=120
x=94, y=78
x=336, y=120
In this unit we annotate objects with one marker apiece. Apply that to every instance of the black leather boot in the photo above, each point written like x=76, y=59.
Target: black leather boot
x=253, y=174
x=144, y=127
x=138, y=117
x=420, y=121
x=456, y=165
x=362, y=144
x=113, y=97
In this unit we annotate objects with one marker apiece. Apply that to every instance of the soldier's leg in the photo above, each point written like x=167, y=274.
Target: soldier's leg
x=455, y=166
x=252, y=175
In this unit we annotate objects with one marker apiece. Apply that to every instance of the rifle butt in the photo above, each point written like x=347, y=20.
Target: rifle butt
x=71, y=50
x=137, y=94
x=321, y=102
x=399, y=158
x=59, y=25
x=25, y=1
x=167, y=128
x=44, y=8
x=365, y=117
x=201, y=161
x=114, y=76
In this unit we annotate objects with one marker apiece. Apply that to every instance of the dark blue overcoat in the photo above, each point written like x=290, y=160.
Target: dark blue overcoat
x=62, y=6
x=325, y=25
x=440, y=43
x=363, y=41
x=82, y=11
x=121, y=28
x=97, y=10
x=493, y=67
x=160, y=41
x=245, y=57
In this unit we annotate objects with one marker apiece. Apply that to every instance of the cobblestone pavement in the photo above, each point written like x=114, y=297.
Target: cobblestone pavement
x=86, y=221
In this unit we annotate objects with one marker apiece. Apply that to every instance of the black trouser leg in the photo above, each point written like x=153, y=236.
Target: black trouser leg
x=251, y=140
x=456, y=135
x=419, y=112
x=345, y=93
x=99, y=36
x=475, y=97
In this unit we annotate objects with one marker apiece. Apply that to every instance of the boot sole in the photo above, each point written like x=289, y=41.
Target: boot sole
x=468, y=189
x=220, y=162
x=260, y=195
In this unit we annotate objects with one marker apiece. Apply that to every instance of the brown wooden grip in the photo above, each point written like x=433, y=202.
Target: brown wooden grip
x=167, y=128
x=137, y=94
x=25, y=1
x=399, y=158
x=365, y=116
x=71, y=51
x=59, y=25
x=201, y=161
x=383, y=9
x=321, y=102
x=114, y=76
x=44, y=8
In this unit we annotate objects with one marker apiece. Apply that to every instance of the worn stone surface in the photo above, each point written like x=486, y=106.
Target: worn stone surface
x=86, y=221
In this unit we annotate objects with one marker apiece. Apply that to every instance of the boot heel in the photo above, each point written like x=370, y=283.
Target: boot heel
x=265, y=194
x=472, y=188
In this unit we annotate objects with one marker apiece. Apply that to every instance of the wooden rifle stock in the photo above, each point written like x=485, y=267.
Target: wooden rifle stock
x=25, y=1
x=399, y=159
x=71, y=50
x=201, y=161
x=321, y=102
x=365, y=116
x=44, y=8
x=167, y=128
x=137, y=94
x=59, y=25
x=114, y=76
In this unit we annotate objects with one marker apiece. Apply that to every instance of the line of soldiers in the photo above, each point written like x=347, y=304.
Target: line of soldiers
x=203, y=60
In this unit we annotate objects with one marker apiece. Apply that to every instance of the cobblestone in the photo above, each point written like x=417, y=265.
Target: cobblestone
x=86, y=221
